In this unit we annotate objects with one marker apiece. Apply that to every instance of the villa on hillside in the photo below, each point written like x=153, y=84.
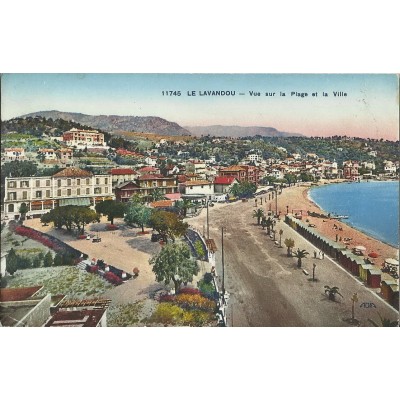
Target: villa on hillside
x=242, y=173
x=83, y=138
x=70, y=186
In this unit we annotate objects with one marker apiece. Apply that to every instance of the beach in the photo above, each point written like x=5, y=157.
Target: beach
x=298, y=200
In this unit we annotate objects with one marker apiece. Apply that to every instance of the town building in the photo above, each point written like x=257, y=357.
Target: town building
x=70, y=186
x=202, y=187
x=144, y=186
x=47, y=154
x=223, y=184
x=121, y=175
x=14, y=154
x=242, y=173
x=83, y=138
x=66, y=157
x=350, y=170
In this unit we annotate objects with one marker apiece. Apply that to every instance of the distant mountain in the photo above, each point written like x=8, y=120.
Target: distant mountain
x=116, y=123
x=238, y=131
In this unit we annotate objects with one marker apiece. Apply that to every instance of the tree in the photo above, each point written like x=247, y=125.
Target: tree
x=23, y=209
x=168, y=225
x=157, y=194
x=174, y=263
x=138, y=214
x=385, y=322
x=243, y=189
x=289, y=243
x=111, y=208
x=198, y=246
x=267, y=222
x=280, y=237
x=300, y=254
x=332, y=292
x=48, y=260
x=11, y=262
x=259, y=213
x=183, y=206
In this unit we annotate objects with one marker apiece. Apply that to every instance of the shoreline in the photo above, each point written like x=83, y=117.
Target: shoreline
x=298, y=197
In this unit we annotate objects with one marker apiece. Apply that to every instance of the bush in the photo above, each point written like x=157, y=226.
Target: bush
x=168, y=314
x=194, y=301
x=208, y=277
x=189, y=291
x=111, y=227
x=112, y=278
x=207, y=289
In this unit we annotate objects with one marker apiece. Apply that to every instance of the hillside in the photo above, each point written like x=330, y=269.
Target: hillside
x=117, y=123
x=238, y=131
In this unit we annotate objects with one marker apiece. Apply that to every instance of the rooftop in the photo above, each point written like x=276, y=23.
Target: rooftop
x=72, y=172
x=122, y=171
x=224, y=180
x=82, y=318
x=18, y=294
x=198, y=183
x=161, y=204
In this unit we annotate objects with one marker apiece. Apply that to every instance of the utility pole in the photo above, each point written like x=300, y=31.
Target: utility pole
x=223, y=266
x=276, y=202
x=208, y=226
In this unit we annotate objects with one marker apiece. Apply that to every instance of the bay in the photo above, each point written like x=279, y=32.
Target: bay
x=372, y=207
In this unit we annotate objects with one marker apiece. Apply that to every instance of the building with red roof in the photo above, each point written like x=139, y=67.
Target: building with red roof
x=120, y=175
x=223, y=184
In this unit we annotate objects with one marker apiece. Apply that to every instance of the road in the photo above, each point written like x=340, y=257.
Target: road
x=267, y=289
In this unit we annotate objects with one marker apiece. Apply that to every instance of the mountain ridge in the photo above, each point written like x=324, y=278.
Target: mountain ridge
x=115, y=123
x=238, y=131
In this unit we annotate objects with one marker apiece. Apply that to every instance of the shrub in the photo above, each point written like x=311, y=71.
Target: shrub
x=112, y=278
x=194, y=301
x=168, y=314
x=189, y=291
x=111, y=227
x=207, y=289
x=208, y=277
x=94, y=269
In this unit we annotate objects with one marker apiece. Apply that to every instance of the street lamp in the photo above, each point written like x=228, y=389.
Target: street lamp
x=354, y=300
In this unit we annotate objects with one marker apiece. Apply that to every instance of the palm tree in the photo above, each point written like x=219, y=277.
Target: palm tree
x=332, y=292
x=268, y=223
x=280, y=237
x=183, y=206
x=259, y=213
x=300, y=254
x=385, y=322
x=289, y=243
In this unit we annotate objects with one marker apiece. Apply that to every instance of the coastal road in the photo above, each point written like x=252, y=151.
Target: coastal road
x=265, y=286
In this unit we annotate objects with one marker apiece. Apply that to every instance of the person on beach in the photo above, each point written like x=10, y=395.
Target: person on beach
x=315, y=254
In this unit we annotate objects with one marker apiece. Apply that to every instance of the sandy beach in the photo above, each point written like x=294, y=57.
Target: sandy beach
x=296, y=197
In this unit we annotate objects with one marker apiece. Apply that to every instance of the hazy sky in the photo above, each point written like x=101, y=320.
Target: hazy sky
x=369, y=110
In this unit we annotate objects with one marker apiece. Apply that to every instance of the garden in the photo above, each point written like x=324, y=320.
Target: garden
x=111, y=274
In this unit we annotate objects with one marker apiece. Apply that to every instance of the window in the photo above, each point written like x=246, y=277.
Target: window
x=24, y=184
x=87, y=181
x=47, y=193
x=38, y=194
x=59, y=183
x=11, y=208
x=24, y=195
x=97, y=190
x=97, y=181
x=106, y=190
x=12, y=184
x=78, y=181
x=78, y=192
x=48, y=182
x=154, y=184
x=59, y=192
x=106, y=181
x=12, y=196
x=69, y=182
x=68, y=192
x=37, y=183
x=87, y=191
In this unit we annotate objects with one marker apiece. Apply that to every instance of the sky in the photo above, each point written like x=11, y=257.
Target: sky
x=370, y=108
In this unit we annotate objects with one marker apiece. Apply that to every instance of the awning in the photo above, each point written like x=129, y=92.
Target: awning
x=77, y=201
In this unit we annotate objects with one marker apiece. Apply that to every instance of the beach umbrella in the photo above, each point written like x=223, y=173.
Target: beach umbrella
x=361, y=248
x=373, y=254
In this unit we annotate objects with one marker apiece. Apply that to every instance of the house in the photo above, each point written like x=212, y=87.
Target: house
x=120, y=175
x=14, y=154
x=197, y=167
x=389, y=167
x=149, y=171
x=223, y=184
x=199, y=187
x=152, y=161
x=48, y=154
x=83, y=138
x=161, y=204
x=24, y=306
x=144, y=186
x=242, y=173
x=66, y=156
x=350, y=170
x=70, y=186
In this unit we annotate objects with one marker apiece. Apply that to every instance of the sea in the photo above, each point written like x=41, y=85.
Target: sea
x=372, y=207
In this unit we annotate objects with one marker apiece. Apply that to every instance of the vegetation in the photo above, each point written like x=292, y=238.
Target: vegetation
x=259, y=213
x=300, y=254
x=174, y=263
x=168, y=225
x=111, y=208
x=384, y=322
x=243, y=189
x=137, y=214
x=332, y=292
x=289, y=243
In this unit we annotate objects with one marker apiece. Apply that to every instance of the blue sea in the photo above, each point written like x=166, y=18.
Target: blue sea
x=372, y=207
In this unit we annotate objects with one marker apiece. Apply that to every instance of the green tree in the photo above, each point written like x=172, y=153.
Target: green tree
x=174, y=263
x=300, y=254
x=385, y=322
x=111, y=208
x=11, y=262
x=36, y=263
x=157, y=194
x=289, y=243
x=198, y=246
x=48, y=260
x=183, y=206
x=81, y=216
x=23, y=209
x=332, y=292
x=280, y=237
x=138, y=214
x=243, y=189
x=168, y=225
x=259, y=213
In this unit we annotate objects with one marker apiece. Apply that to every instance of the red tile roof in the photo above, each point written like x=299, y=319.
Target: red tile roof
x=122, y=171
x=161, y=204
x=224, y=180
x=72, y=172
x=198, y=183
x=151, y=176
x=148, y=169
x=18, y=294
x=234, y=168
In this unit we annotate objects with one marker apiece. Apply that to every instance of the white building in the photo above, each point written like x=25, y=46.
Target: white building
x=70, y=186
x=201, y=187
x=254, y=157
x=48, y=154
x=389, y=167
x=14, y=154
x=83, y=138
